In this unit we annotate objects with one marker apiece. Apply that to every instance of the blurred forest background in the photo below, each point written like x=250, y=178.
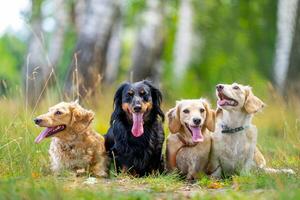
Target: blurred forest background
x=184, y=46
x=64, y=49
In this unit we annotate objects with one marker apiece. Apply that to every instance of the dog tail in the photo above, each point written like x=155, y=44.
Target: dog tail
x=261, y=163
x=269, y=170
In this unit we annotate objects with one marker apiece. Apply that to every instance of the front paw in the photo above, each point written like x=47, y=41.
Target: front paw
x=101, y=174
x=80, y=172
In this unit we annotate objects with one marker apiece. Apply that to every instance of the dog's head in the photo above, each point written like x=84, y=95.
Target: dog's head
x=140, y=102
x=192, y=116
x=236, y=97
x=64, y=121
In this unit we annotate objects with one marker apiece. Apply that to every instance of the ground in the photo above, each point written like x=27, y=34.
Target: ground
x=254, y=186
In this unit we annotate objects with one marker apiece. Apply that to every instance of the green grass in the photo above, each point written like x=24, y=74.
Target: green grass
x=25, y=174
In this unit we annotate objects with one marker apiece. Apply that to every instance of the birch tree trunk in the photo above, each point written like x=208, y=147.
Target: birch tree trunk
x=91, y=46
x=114, y=51
x=148, y=47
x=61, y=18
x=286, y=17
x=80, y=10
x=35, y=67
x=183, y=41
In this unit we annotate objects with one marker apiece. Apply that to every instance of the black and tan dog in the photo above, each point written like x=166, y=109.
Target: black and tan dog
x=136, y=135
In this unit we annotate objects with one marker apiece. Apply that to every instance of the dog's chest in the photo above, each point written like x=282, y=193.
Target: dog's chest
x=235, y=146
x=234, y=149
x=70, y=155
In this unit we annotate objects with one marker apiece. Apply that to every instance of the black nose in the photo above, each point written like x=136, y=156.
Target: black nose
x=137, y=108
x=37, y=121
x=197, y=121
x=220, y=87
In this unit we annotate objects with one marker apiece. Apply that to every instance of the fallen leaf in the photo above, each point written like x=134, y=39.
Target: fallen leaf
x=215, y=185
x=35, y=175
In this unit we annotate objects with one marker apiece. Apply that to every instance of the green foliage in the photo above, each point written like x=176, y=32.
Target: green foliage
x=237, y=43
x=12, y=53
x=234, y=42
x=133, y=9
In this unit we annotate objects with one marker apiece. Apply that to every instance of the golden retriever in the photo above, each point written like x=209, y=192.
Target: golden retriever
x=189, y=146
x=234, y=141
x=74, y=144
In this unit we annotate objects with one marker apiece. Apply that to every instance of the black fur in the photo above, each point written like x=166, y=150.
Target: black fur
x=139, y=155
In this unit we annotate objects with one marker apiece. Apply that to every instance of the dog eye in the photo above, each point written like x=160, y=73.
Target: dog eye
x=236, y=87
x=130, y=93
x=142, y=93
x=58, y=113
x=186, y=111
x=202, y=110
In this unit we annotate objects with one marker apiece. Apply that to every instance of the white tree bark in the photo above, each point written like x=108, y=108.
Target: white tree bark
x=35, y=68
x=61, y=17
x=91, y=47
x=80, y=10
x=148, y=47
x=184, y=39
x=113, y=54
x=286, y=17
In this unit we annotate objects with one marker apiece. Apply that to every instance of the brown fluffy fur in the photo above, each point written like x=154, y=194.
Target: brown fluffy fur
x=78, y=147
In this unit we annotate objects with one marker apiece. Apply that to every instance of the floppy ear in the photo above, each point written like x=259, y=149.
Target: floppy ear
x=118, y=101
x=210, y=119
x=156, y=98
x=118, y=94
x=252, y=103
x=88, y=116
x=174, y=119
x=81, y=118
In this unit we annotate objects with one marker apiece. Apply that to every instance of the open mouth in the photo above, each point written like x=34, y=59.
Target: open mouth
x=48, y=132
x=195, y=132
x=225, y=100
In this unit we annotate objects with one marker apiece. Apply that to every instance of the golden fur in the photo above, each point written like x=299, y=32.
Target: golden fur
x=183, y=153
x=78, y=147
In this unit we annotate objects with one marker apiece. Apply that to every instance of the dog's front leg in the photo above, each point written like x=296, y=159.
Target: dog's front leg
x=173, y=146
x=100, y=169
x=56, y=163
x=249, y=162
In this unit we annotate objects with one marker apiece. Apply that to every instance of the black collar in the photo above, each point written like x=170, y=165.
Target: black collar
x=226, y=129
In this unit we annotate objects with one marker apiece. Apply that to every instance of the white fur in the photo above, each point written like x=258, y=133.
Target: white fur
x=233, y=152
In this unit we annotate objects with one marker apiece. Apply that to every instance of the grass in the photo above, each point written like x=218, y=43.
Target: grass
x=25, y=170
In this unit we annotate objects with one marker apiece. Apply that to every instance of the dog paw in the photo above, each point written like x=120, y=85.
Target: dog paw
x=101, y=175
x=90, y=181
x=80, y=172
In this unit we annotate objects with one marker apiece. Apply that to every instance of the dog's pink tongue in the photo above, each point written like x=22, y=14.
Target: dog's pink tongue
x=42, y=135
x=197, y=135
x=222, y=102
x=137, y=127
